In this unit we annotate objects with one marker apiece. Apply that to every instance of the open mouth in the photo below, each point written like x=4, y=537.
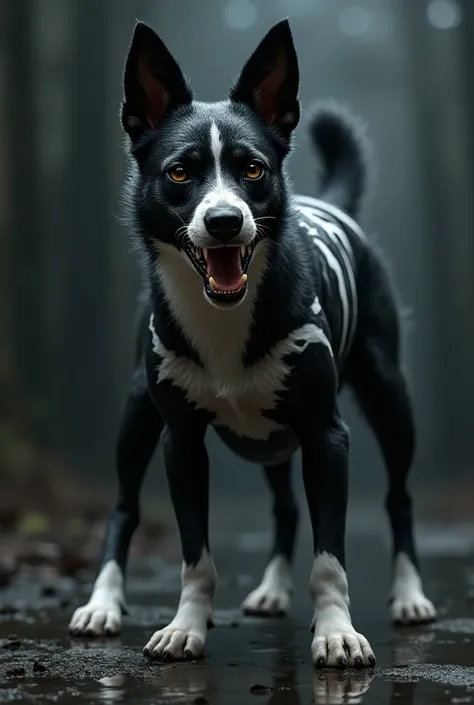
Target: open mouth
x=223, y=269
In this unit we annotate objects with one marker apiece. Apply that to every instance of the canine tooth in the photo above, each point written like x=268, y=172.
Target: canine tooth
x=244, y=279
x=204, y=252
x=243, y=250
x=212, y=283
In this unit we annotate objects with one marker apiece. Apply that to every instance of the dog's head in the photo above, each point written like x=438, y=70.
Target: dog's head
x=209, y=177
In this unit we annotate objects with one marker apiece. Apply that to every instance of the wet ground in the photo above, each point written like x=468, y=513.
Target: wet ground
x=248, y=660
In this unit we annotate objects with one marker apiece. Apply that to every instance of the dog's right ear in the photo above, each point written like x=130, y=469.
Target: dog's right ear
x=153, y=83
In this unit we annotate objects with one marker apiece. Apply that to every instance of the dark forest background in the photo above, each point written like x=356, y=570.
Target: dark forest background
x=68, y=278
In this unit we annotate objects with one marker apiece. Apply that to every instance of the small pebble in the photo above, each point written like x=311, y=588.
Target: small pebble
x=38, y=667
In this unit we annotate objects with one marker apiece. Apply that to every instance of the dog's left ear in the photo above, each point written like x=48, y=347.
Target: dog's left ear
x=269, y=80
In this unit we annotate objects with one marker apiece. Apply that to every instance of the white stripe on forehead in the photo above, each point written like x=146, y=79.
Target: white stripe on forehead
x=216, y=149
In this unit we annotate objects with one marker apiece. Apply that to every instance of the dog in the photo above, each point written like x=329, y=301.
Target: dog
x=260, y=305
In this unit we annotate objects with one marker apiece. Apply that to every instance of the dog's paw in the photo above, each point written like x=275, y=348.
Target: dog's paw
x=408, y=604
x=266, y=601
x=408, y=610
x=341, y=649
x=273, y=595
x=176, y=643
x=97, y=619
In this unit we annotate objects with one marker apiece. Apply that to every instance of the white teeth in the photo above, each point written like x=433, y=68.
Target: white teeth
x=243, y=250
x=204, y=251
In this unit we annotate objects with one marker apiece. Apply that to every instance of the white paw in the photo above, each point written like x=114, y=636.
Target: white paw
x=266, y=602
x=273, y=595
x=185, y=636
x=341, y=649
x=176, y=643
x=97, y=619
x=102, y=616
x=412, y=609
x=408, y=604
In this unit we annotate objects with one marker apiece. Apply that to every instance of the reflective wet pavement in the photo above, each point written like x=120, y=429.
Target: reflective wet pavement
x=250, y=660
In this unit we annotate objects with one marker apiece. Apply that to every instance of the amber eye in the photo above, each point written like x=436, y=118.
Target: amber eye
x=254, y=170
x=178, y=174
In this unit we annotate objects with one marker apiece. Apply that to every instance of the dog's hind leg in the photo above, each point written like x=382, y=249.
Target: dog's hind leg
x=273, y=595
x=381, y=391
x=139, y=434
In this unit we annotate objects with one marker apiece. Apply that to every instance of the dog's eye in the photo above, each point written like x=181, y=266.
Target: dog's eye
x=254, y=170
x=178, y=174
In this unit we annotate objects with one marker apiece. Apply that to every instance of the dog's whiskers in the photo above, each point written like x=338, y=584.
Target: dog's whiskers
x=181, y=234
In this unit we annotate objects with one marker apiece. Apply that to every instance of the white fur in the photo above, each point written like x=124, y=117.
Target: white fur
x=185, y=636
x=221, y=194
x=234, y=393
x=273, y=595
x=334, y=636
x=408, y=602
x=103, y=613
x=316, y=212
x=340, y=240
x=336, y=233
x=336, y=212
x=333, y=263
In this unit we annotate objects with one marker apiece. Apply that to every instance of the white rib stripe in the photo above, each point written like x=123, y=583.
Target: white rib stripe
x=341, y=242
x=333, y=210
x=333, y=263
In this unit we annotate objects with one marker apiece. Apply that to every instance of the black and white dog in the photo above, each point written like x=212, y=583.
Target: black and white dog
x=260, y=305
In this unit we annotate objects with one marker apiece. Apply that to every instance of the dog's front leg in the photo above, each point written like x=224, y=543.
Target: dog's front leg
x=187, y=467
x=325, y=468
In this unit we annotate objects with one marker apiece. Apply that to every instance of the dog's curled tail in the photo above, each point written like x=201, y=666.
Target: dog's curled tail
x=346, y=154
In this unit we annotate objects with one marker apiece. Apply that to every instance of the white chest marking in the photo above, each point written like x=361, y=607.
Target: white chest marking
x=238, y=399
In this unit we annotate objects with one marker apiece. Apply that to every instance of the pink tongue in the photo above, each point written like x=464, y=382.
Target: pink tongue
x=223, y=265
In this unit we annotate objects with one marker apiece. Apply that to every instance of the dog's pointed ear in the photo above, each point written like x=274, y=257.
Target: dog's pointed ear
x=269, y=80
x=153, y=83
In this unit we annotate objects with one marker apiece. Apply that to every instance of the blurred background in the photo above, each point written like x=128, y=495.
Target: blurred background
x=69, y=280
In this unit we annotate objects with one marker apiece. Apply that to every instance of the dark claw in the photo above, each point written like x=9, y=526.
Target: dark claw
x=321, y=662
x=343, y=662
x=166, y=656
x=188, y=654
x=372, y=660
x=358, y=662
x=146, y=652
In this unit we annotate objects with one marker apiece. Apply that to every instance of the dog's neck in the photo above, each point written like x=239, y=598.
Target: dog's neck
x=219, y=336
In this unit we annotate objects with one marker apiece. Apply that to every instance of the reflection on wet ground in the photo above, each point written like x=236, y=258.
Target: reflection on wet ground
x=247, y=660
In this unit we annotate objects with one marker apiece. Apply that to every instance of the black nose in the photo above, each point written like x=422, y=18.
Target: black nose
x=223, y=223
